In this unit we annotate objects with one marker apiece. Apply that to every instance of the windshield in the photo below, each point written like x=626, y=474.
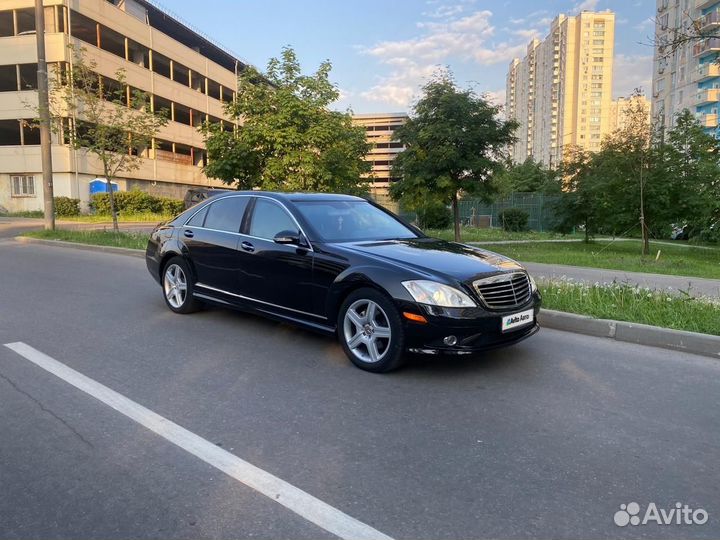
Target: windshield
x=348, y=221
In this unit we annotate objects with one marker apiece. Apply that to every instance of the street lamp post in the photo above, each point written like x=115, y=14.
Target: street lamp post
x=44, y=111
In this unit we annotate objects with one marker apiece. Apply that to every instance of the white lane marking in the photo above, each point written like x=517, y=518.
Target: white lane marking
x=303, y=504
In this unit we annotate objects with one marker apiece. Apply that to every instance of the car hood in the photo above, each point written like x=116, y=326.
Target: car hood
x=433, y=256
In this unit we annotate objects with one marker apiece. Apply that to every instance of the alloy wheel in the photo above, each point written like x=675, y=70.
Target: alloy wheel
x=175, y=286
x=366, y=329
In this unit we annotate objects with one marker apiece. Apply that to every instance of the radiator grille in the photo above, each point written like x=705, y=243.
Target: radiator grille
x=504, y=291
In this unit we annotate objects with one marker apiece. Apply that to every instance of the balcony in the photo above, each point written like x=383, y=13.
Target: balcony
x=709, y=120
x=709, y=95
x=708, y=71
x=706, y=46
x=709, y=21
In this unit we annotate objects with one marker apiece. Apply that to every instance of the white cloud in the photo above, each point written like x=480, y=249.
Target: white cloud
x=630, y=72
x=645, y=25
x=496, y=97
x=585, y=5
x=527, y=33
x=465, y=38
x=531, y=18
x=444, y=12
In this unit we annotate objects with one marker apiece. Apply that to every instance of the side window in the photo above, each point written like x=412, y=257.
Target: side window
x=198, y=219
x=226, y=214
x=269, y=218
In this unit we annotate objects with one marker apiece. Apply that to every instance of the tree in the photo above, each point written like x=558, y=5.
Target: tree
x=527, y=177
x=289, y=139
x=454, y=142
x=111, y=121
x=580, y=202
x=690, y=158
x=634, y=190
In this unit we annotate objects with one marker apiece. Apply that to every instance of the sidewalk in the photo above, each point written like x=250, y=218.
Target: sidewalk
x=695, y=286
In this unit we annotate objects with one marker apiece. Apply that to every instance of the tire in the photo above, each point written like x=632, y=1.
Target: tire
x=178, y=286
x=375, y=344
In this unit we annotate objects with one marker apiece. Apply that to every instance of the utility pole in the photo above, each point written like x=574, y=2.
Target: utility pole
x=44, y=110
x=645, y=238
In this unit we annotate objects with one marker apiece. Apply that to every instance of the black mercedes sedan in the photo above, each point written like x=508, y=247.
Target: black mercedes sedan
x=343, y=265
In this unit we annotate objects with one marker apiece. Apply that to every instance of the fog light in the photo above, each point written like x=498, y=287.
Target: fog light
x=450, y=340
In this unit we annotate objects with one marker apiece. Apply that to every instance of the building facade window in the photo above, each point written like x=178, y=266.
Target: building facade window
x=10, y=133
x=22, y=186
x=24, y=21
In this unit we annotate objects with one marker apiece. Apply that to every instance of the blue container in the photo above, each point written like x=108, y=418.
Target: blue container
x=99, y=185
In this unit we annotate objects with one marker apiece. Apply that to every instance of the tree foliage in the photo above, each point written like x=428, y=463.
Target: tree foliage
x=690, y=159
x=289, y=139
x=105, y=123
x=454, y=142
x=671, y=176
x=527, y=177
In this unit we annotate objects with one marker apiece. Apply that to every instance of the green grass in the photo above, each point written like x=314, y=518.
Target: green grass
x=122, y=218
x=94, y=218
x=472, y=234
x=98, y=238
x=24, y=214
x=633, y=304
x=624, y=255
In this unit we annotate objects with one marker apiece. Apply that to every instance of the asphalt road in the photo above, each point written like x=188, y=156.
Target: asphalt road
x=545, y=439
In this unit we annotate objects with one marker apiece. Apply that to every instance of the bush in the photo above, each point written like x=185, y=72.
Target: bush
x=434, y=216
x=711, y=235
x=136, y=202
x=171, y=207
x=66, y=206
x=514, y=219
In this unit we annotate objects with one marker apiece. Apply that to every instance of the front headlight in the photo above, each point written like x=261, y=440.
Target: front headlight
x=437, y=294
x=533, y=285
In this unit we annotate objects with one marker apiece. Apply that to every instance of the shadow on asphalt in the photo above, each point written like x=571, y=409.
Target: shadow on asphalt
x=495, y=361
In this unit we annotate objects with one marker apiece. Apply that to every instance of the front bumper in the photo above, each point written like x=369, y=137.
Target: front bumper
x=479, y=333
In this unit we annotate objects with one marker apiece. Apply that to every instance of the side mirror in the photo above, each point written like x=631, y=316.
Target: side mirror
x=287, y=237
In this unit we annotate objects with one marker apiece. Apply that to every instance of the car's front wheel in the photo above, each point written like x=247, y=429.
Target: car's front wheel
x=370, y=331
x=178, y=286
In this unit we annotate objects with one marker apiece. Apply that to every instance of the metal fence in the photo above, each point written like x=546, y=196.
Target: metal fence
x=540, y=209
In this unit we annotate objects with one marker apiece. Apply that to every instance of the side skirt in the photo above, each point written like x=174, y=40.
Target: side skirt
x=248, y=307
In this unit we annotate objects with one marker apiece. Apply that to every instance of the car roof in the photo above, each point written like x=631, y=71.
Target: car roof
x=300, y=196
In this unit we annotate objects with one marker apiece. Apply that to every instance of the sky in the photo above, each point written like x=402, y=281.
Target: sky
x=382, y=51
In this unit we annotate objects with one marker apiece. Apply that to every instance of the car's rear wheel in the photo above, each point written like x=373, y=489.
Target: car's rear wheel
x=178, y=286
x=370, y=331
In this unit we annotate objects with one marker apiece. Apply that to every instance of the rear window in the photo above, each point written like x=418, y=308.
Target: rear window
x=226, y=214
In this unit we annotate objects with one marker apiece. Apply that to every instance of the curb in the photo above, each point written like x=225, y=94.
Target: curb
x=85, y=247
x=640, y=334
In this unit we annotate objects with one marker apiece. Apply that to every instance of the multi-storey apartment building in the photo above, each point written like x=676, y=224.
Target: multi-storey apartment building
x=686, y=75
x=380, y=128
x=560, y=93
x=620, y=108
x=183, y=72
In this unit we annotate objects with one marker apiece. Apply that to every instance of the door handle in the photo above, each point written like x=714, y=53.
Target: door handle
x=247, y=246
x=188, y=233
